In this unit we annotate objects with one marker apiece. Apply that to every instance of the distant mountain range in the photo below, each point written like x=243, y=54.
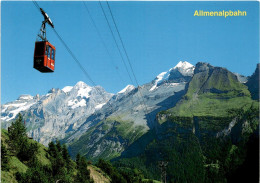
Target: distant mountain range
x=105, y=126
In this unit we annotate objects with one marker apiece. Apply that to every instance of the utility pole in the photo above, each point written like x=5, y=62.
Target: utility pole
x=162, y=165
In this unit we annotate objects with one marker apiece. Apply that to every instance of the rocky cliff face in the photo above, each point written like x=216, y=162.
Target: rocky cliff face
x=130, y=116
x=253, y=84
x=56, y=114
x=196, y=144
x=73, y=111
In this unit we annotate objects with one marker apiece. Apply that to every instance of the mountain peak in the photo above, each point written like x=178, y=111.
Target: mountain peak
x=183, y=64
x=81, y=84
x=185, y=68
x=202, y=66
x=53, y=90
x=67, y=89
x=25, y=97
x=182, y=72
x=127, y=89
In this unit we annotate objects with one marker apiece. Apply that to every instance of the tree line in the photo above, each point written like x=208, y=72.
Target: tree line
x=62, y=168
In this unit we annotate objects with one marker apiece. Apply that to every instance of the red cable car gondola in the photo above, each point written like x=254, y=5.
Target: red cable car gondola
x=44, y=56
x=44, y=52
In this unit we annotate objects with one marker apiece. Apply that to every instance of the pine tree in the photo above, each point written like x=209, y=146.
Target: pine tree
x=17, y=134
x=67, y=159
x=53, y=151
x=58, y=145
x=27, y=150
x=83, y=174
x=111, y=171
x=4, y=158
x=65, y=154
x=78, y=159
x=17, y=129
x=19, y=142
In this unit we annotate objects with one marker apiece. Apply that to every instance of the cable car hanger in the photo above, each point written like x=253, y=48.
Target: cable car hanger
x=42, y=33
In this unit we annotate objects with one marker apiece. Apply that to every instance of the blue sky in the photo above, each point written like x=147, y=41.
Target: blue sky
x=157, y=35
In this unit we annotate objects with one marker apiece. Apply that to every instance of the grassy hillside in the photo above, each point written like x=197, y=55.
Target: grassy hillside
x=19, y=169
x=44, y=165
x=15, y=164
x=213, y=91
x=98, y=175
x=110, y=137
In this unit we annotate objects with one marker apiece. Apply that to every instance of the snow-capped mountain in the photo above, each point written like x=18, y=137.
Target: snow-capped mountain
x=129, y=109
x=241, y=78
x=11, y=109
x=180, y=73
x=185, y=68
x=70, y=112
x=127, y=89
x=57, y=113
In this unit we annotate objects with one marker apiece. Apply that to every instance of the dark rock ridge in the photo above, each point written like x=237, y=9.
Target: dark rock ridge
x=253, y=84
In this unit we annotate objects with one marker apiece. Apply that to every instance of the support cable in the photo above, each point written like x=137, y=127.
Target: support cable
x=83, y=69
x=102, y=40
x=36, y=5
x=121, y=55
x=122, y=43
x=140, y=92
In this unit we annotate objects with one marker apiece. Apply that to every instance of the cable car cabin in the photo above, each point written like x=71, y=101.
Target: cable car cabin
x=44, y=56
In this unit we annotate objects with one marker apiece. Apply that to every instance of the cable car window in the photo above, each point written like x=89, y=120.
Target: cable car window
x=47, y=50
x=52, y=54
x=39, y=49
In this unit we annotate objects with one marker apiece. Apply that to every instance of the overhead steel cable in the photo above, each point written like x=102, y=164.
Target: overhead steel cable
x=36, y=5
x=78, y=63
x=74, y=57
x=122, y=43
x=83, y=69
x=129, y=62
x=102, y=40
x=142, y=100
x=121, y=55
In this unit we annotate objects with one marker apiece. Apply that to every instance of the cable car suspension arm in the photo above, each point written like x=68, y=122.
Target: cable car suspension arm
x=42, y=32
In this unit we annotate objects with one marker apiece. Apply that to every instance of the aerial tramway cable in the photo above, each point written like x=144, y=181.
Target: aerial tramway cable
x=129, y=62
x=132, y=70
x=122, y=43
x=36, y=5
x=121, y=55
x=102, y=41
